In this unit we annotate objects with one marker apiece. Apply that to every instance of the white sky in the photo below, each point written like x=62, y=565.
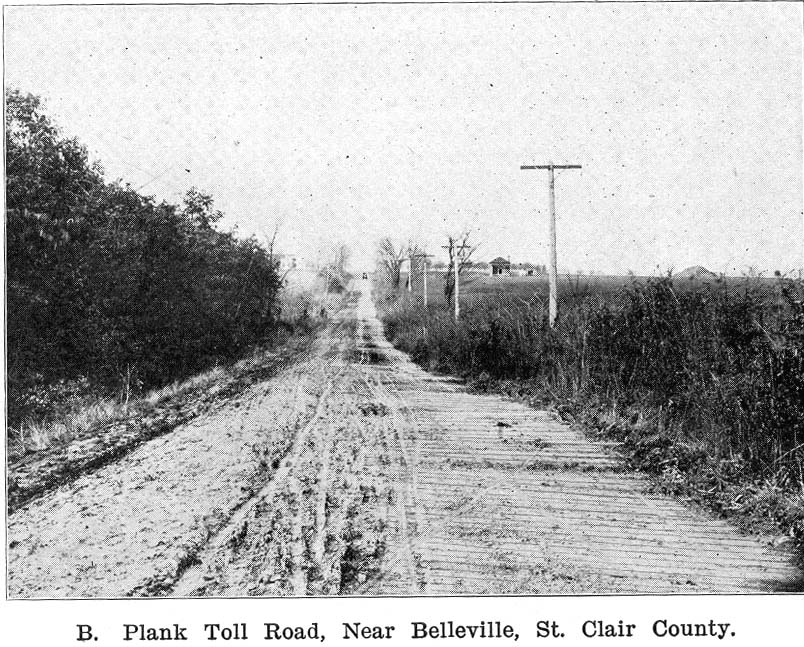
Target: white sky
x=350, y=123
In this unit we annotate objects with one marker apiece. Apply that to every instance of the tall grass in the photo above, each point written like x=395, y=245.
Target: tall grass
x=715, y=368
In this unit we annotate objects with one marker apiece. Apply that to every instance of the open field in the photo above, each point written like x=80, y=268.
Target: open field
x=476, y=284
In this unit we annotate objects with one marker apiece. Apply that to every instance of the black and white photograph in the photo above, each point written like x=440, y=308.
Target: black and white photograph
x=404, y=300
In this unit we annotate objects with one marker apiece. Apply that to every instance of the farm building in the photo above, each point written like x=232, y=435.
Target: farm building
x=500, y=266
x=503, y=267
x=696, y=273
x=526, y=269
x=286, y=262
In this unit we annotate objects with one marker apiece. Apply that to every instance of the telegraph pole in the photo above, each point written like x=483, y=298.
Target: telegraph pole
x=424, y=258
x=424, y=280
x=410, y=269
x=455, y=270
x=552, y=261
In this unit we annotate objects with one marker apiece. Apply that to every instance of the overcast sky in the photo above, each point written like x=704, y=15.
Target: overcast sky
x=353, y=123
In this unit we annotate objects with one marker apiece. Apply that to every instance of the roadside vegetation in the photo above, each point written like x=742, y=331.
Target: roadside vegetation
x=115, y=299
x=702, y=382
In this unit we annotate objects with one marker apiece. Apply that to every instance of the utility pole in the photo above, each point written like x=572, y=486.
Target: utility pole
x=424, y=279
x=456, y=268
x=424, y=258
x=552, y=264
x=411, y=256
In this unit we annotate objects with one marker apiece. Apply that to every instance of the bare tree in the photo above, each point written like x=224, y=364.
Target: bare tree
x=415, y=256
x=461, y=246
x=270, y=245
x=390, y=259
x=332, y=267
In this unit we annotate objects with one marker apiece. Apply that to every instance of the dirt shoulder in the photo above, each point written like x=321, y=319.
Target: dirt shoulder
x=131, y=527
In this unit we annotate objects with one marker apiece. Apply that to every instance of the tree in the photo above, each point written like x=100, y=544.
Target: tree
x=457, y=245
x=332, y=268
x=104, y=283
x=416, y=259
x=199, y=209
x=390, y=259
x=52, y=196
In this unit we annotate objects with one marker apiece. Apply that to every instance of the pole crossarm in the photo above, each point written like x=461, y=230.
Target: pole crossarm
x=549, y=166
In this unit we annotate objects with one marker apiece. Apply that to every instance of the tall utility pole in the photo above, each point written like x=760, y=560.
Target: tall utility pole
x=424, y=280
x=552, y=261
x=424, y=258
x=411, y=256
x=455, y=270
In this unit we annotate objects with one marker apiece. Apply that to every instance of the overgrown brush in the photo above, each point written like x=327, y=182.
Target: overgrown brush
x=65, y=410
x=707, y=379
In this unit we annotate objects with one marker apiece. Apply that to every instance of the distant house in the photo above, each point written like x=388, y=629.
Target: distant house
x=526, y=269
x=500, y=267
x=503, y=267
x=696, y=273
x=286, y=262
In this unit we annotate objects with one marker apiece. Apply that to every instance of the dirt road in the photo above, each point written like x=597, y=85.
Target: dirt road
x=355, y=472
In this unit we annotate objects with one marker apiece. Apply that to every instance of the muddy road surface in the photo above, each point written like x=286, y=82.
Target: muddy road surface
x=355, y=472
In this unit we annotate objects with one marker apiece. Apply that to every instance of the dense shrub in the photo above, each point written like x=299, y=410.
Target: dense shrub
x=107, y=285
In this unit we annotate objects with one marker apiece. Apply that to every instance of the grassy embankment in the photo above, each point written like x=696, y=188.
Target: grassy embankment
x=702, y=383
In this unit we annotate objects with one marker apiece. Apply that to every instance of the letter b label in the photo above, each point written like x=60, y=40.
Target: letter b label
x=85, y=633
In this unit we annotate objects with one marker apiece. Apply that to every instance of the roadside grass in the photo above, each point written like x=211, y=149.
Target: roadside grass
x=90, y=412
x=702, y=383
x=36, y=435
